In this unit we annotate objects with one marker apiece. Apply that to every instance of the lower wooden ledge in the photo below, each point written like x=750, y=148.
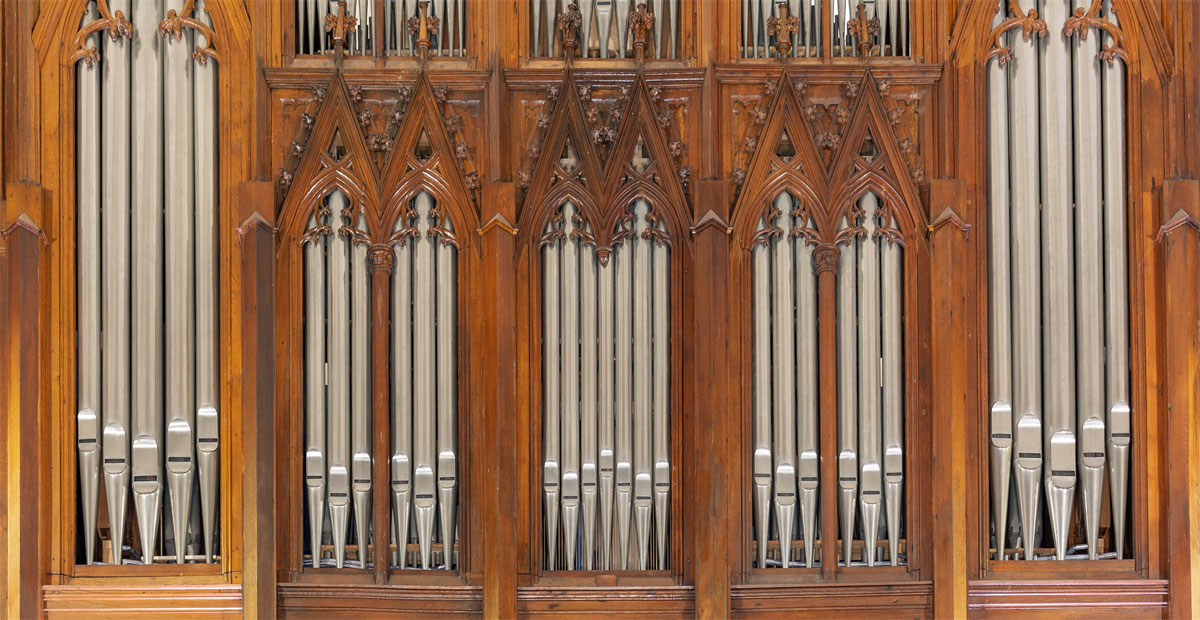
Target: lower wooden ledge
x=1126, y=598
x=667, y=601
x=328, y=600
x=903, y=599
x=219, y=601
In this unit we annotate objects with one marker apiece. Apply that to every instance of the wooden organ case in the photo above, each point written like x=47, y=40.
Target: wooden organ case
x=521, y=308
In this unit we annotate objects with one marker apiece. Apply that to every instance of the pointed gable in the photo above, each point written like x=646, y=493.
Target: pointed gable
x=335, y=157
x=870, y=158
x=424, y=158
x=785, y=159
x=556, y=179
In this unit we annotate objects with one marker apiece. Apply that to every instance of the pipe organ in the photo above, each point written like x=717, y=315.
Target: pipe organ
x=338, y=453
x=604, y=30
x=147, y=291
x=448, y=36
x=870, y=387
x=799, y=24
x=606, y=406
x=1061, y=417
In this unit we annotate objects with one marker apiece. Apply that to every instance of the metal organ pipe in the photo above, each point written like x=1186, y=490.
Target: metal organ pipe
x=870, y=493
x=337, y=334
x=622, y=261
x=587, y=412
x=88, y=288
x=847, y=430
x=606, y=418
x=424, y=381
x=761, y=260
x=784, y=395
x=568, y=280
x=550, y=409
x=402, y=401
x=1082, y=270
x=642, y=498
x=892, y=278
x=360, y=393
x=661, y=336
x=314, y=381
x=806, y=390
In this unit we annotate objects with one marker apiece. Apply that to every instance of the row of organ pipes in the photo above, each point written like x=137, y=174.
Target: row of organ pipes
x=759, y=42
x=338, y=452
x=147, y=290
x=604, y=28
x=1060, y=412
x=448, y=39
x=870, y=416
x=606, y=409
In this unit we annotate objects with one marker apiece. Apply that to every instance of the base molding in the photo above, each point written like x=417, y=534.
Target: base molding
x=833, y=600
x=326, y=600
x=668, y=601
x=1129, y=598
x=217, y=601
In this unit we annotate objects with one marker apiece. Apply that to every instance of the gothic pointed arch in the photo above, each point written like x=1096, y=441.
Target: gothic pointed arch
x=555, y=178
x=334, y=157
x=424, y=157
x=786, y=159
x=641, y=166
x=870, y=159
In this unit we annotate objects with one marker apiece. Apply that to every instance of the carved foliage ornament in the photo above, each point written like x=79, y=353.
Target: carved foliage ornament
x=173, y=25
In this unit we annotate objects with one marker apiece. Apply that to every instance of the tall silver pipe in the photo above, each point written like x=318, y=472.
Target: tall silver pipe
x=1026, y=291
x=642, y=373
x=1089, y=307
x=314, y=385
x=760, y=257
x=847, y=431
x=622, y=265
x=806, y=393
x=1116, y=300
x=605, y=419
x=338, y=370
x=551, y=472
x=1058, y=302
x=569, y=383
x=661, y=331
x=115, y=206
x=892, y=278
x=447, y=386
x=424, y=381
x=587, y=409
x=207, y=393
x=88, y=288
x=1000, y=297
x=360, y=393
x=869, y=427
x=402, y=400
x=783, y=369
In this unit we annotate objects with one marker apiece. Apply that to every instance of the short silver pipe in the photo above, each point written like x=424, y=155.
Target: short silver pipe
x=623, y=42
x=847, y=431
x=87, y=430
x=314, y=383
x=115, y=222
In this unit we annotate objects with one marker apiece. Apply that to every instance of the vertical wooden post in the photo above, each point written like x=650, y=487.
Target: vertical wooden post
x=1181, y=378
x=714, y=433
x=257, y=238
x=948, y=254
x=21, y=361
x=381, y=260
x=497, y=286
x=825, y=263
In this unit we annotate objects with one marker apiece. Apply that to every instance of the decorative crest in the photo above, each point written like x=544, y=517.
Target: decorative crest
x=340, y=25
x=174, y=24
x=863, y=28
x=420, y=25
x=568, y=27
x=641, y=22
x=783, y=27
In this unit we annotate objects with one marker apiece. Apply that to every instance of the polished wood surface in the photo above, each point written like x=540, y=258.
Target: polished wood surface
x=702, y=116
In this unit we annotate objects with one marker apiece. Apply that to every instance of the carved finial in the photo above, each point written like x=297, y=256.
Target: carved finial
x=568, y=27
x=641, y=22
x=863, y=28
x=339, y=26
x=783, y=27
x=420, y=25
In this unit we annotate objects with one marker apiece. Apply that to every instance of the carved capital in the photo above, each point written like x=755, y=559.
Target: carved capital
x=825, y=258
x=380, y=258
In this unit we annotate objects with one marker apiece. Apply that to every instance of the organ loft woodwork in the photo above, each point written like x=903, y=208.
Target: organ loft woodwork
x=712, y=308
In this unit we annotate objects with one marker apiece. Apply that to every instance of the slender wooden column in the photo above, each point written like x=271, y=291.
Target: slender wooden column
x=1181, y=376
x=949, y=379
x=714, y=433
x=497, y=285
x=257, y=238
x=825, y=262
x=381, y=260
x=21, y=361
